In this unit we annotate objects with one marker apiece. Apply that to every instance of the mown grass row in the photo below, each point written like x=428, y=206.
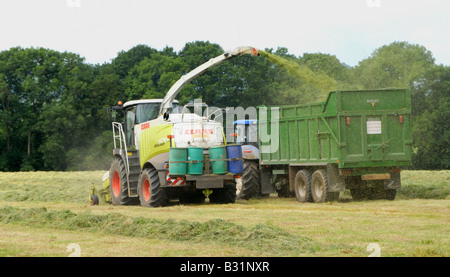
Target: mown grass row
x=73, y=187
x=424, y=184
x=267, y=239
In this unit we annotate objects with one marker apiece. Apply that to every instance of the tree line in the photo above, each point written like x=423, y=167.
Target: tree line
x=53, y=105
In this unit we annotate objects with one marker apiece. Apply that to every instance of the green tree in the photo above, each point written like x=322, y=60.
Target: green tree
x=29, y=81
x=431, y=127
x=153, y=77
x=206, y=86
x=398, y=64
x=126, y=60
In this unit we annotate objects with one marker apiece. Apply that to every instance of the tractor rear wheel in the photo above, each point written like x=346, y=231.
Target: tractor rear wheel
x=250, y=181
x=151, y=194
x=118, y=183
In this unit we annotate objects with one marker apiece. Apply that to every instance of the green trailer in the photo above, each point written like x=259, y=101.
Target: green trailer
x=356, y=140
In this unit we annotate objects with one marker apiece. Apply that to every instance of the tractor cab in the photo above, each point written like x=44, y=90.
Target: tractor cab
x=246, y=131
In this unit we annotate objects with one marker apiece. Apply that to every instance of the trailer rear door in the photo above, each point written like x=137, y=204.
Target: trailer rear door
x=375, y=127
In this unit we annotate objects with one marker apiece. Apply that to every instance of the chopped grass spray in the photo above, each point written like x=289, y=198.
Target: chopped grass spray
x=322, y=82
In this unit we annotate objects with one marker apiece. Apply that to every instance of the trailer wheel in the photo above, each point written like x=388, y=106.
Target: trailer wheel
x=151, y=194
x=380, y=193
x=358, y=194
x=390, y=194
x=118, y=183
x=302, y=186
x=319, y=187
x=250, y=181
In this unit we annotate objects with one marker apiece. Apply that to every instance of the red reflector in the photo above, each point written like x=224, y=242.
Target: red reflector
x=400, y=119
x=347, y=120
x=346, y=172
x=247, y=151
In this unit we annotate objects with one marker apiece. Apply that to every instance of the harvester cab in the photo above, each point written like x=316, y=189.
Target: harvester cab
x=135, y=117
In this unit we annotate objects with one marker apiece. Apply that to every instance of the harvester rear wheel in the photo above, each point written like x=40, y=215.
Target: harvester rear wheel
x=303, y=186
x=192, y=197
x=151, y=194
x=250, y=181
x=225, y=195
x=319, y=187
x=118, y=183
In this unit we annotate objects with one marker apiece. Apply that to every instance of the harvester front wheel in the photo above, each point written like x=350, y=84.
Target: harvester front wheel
x=118, y=183
x=151, y=194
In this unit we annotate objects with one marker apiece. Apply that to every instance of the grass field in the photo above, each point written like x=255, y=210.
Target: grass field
x=43, y=213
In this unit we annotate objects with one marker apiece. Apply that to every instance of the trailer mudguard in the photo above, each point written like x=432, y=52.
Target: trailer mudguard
x=336, y=182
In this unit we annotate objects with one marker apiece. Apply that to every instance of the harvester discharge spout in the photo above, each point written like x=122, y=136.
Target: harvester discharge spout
x=175, y=89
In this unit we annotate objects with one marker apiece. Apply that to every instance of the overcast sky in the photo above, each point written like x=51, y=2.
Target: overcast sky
x=349, y=29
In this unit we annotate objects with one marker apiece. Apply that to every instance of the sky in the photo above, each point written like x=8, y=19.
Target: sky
x=348, y=29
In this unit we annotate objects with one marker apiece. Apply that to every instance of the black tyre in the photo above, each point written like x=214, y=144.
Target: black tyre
x=302, y=186
x=192, y=197
x=225, y=195
x=376, y=192
x=358, y=194
x=151, y=194
x=250, y=181
x=118, y=183
x=283, y=189
x=320, y=188
x=94, y=200
x=390, y=194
